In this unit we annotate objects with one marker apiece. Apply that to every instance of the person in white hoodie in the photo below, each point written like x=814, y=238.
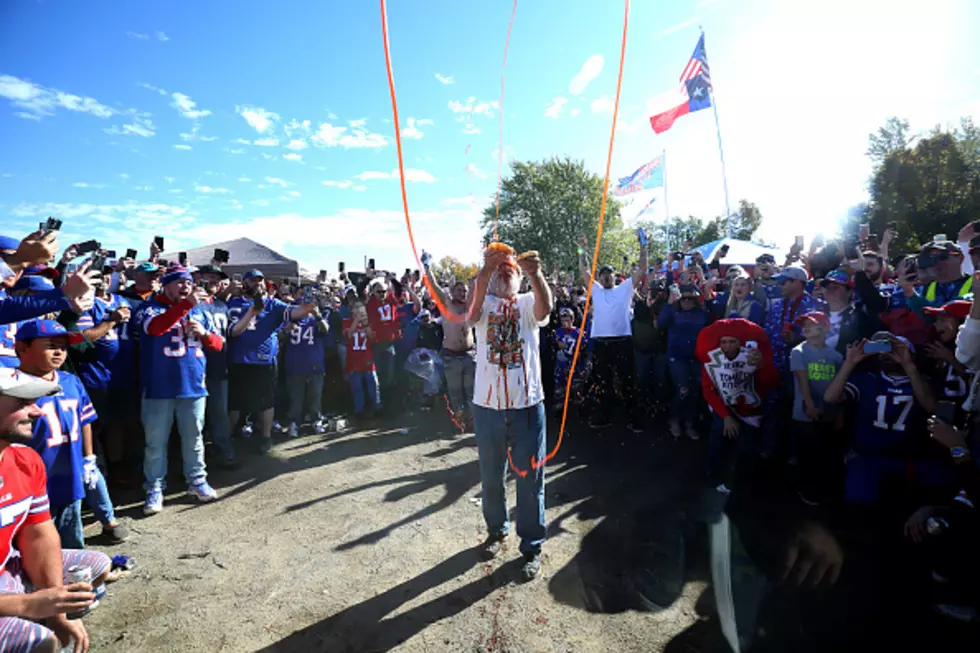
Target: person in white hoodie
x=968, y=352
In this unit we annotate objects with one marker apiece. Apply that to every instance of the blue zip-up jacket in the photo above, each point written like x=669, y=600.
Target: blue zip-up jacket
x=18, y=309
x=682, y=328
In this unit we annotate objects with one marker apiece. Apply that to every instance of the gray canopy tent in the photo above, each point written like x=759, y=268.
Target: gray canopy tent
x=243, y=255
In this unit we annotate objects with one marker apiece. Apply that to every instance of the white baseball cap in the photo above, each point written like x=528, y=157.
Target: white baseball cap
x=15, y=383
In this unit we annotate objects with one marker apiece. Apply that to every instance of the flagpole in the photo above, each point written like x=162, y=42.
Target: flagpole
x=663, y=159
x=721, y=152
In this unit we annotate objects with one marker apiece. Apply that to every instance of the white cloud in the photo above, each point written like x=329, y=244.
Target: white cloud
x=679, y=26
x=277, y=181
x=360, y=188
x=244, y=179
x=236, y=151
x=412, y=131
x=554, y=109
x=124, y=175
x=36, y=101
x=590, y=70
x=295, y=128
x=170, y=180
x=285, y=198
x=143, y=188
x=150, y=87
x=473, y=107
x=292, y=156
x=210, y=190
x=473, y=171
x=187, y=107
x=294, y=193
x=298, y=144
x=266, y=142
x=181, y=146
x=445, y=79
x=161, y=36
x=260, y=202
x=85, y=184
x=258, y=118
x=574, y=112
x=138, y=36
x=411, y=174
x=602, y=104
x=425, y=122
x=338, y=184
x=140, y=126
x=356, y=136
x=471, y=129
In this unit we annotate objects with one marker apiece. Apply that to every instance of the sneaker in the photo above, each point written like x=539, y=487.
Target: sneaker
x=961, y=613
x=675, y=428
x=245, y=431
x=532, y=565
x=265, y=445
x=492, y=546
x=293, y=430
x=154, y=502
x=320, y=427
x=692, y=433
x=277, y=427
x=203, y=491
x=117, y=532
x=723, y=489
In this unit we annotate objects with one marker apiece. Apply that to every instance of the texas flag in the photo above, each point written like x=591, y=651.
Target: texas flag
x=698, y=97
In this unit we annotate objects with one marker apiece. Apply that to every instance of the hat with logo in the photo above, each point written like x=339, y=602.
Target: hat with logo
x=941, y=246
x=176, y=274
x=46, y=329
x=15, y=383
x=254, y=273
x=8, y=244
x=148, y=267
x=34, y=284
x=606, y=268
x=817, y=317
x=838, y=276
x=793, y=273
x=958, y=308
x=211, y=269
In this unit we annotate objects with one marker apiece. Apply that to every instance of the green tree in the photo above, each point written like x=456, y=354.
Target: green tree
x=892, y=137
x=449, y=267
x=546, y=205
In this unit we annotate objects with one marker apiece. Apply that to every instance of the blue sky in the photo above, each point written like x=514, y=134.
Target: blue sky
x=205, y=121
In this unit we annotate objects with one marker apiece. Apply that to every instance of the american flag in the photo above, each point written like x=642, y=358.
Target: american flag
x=698, y=65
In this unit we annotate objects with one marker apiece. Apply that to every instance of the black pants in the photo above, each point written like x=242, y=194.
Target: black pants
x=611, y=358
x=820, y=454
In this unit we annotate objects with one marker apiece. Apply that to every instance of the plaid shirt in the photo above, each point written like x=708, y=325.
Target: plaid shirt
x=783, y=312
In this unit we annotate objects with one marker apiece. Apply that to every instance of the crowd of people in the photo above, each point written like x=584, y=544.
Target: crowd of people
x=850, y=369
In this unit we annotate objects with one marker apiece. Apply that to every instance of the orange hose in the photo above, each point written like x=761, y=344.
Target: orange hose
x=500, y=138
x=535, y=464
x=443, y=309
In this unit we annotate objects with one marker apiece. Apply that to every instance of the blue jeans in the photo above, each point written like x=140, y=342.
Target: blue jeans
x=158, y=418
x=305, y=396
x=68, y=520
x=725, y=453
x=384, y=361
x=651, y=375
x=357, y=382
x=523, y=430
x=99, y=501
x=686, y=374
x=217, y=418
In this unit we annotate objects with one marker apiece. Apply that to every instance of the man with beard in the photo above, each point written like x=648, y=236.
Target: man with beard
x=29, y=543
x=458, y=348
x=508, y=400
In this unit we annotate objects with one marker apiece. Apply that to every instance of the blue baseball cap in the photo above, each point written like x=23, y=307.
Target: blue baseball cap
x=8, y=243
x=838, y=276
x=43, y=271
x=46, y=329
x=254, y=273
x=34, y=283
x=148, y=266
x=176, y=274
x=792, y=273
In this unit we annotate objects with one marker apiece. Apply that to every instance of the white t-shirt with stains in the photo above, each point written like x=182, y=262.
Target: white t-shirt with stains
x=508, y=356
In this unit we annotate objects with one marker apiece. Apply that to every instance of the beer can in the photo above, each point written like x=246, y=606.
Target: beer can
x=338, y=424
x=78, y=574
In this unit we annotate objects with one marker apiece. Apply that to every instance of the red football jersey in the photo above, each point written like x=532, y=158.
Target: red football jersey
x=359, y=357
x=383, y=318
x=23, y=494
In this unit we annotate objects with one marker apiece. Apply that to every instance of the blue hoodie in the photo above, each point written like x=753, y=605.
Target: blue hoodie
x=682, y=328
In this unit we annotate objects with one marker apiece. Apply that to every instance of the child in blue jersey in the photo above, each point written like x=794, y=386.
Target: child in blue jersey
x=303, y=361
x=173, y=336
x=565, y=338
x=63, y=435
x=890, y=451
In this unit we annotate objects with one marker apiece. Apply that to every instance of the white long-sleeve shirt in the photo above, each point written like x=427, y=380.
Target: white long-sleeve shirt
x=968, y=353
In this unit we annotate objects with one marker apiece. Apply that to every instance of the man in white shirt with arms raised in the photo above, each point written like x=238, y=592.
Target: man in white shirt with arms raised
x=508, y=399
x=612, y=336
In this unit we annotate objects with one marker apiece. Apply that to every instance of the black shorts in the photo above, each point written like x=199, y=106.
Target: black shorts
x=251, y=388
x=115, y=406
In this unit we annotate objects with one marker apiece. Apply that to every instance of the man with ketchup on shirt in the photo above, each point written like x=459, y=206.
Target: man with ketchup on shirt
x=382, y=310
x=32, y=585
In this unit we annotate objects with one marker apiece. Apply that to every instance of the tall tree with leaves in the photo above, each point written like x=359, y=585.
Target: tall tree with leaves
x=546, y=205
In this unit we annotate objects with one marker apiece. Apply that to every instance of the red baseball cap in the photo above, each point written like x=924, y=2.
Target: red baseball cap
x=814, y=316
x=958, y=308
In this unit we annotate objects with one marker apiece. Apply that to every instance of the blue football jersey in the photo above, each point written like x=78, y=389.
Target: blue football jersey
x=8, y=334
x=258, y=344
x=172, y=365
x=216, y=313
x=58, y=438
x=304, y=347
x=98, y=373
x=894, y=295
x=889, y=420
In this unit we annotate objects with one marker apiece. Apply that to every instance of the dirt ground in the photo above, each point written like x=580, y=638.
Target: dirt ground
x=367, y=541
